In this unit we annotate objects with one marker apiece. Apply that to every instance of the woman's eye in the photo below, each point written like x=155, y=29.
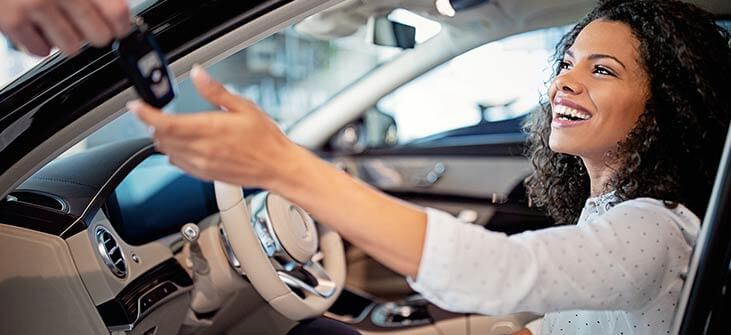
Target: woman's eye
x=604, y=71
x=563, y=65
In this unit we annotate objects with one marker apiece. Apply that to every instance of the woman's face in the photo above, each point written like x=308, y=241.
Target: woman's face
x=599, y=93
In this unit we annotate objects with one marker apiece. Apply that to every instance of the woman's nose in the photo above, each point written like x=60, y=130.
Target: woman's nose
x=567, y=84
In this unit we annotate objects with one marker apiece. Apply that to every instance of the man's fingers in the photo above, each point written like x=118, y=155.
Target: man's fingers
x=117, y=15
x=213, y=91
x=28, y=38
x=89, y=21
x=55, y=26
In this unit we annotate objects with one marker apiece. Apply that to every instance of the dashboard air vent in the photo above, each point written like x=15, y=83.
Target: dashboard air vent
x=110, y=252
x=37, y=199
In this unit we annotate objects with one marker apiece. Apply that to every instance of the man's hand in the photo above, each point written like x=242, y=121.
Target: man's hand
x=39, y=25
x=239, y=144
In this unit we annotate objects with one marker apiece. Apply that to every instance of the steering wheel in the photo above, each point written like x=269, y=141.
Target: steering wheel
x=276, y=247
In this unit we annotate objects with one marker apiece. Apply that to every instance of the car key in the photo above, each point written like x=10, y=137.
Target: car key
x=146, y=66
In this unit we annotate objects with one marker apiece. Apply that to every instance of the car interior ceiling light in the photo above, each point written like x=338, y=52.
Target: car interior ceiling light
x=451, y=7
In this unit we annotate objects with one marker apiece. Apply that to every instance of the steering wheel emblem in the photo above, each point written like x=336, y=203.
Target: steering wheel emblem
x=299, y=227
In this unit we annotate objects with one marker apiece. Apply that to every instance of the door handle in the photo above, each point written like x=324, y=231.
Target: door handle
x=431, y=177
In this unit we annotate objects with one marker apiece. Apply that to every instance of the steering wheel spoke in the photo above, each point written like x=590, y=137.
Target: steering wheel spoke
x=311, y=278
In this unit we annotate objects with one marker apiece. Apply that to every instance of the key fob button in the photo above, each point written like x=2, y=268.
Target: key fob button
x=156, y=76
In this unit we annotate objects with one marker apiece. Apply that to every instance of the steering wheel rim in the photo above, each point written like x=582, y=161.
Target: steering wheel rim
x=256, y=244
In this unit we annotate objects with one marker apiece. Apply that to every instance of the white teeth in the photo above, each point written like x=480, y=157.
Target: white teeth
x=563, y=110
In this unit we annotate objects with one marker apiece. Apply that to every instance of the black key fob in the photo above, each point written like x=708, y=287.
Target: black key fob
x=145, y=65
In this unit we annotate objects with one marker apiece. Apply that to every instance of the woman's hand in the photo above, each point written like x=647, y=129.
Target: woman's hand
x=239, y=144
x=242, y=146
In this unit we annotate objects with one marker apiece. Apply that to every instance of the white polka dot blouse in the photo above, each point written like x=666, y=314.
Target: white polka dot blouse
x=618, y=271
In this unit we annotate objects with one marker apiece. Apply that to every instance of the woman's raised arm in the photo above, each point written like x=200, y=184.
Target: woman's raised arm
x=241, y=145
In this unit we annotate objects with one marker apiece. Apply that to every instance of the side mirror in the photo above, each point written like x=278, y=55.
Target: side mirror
x=350, y=139
x=383, y=31
x=374, y=130
x=380, y=129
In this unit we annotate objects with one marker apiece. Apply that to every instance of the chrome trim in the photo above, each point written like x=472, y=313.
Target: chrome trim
x=383, y=314
x=56, y=198
x=228, y=250
x=129, y=327
x=98, y=194
x=262, y=224
x=106, y=254
x=284, y=263
x=354, y=319
x=325, y=286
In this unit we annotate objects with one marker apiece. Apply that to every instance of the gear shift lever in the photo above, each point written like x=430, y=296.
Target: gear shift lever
x=196, y=260
x=205, y=297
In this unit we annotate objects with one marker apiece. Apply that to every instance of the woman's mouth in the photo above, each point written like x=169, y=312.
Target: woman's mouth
x=564, y=116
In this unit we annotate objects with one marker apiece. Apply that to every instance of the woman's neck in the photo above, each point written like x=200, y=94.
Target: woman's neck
x=600, y=173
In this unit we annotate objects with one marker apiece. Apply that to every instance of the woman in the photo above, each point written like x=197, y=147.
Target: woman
x=624, y=154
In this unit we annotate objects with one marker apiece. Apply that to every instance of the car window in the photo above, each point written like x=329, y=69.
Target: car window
x=287, y=74
x=497, y=81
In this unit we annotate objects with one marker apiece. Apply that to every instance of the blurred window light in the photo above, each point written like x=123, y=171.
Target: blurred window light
x=445, y=8
x=450, y=7
x=497, y=81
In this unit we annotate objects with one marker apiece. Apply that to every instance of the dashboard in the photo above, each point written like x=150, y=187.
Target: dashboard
x=155, y=199
x=117, y=207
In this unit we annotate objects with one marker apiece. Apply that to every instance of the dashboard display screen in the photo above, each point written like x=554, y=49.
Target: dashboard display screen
x=156, y=199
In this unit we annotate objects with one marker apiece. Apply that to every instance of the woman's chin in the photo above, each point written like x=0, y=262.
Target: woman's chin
x=559, y=146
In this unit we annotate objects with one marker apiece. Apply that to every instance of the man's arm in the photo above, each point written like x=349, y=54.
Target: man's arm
x=36, y=26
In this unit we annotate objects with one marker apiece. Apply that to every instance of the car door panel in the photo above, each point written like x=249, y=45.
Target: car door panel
x=478, y=182
x=443, y=175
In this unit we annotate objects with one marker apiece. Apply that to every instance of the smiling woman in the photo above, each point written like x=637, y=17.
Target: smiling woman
x=596, y=98
x=656, y=117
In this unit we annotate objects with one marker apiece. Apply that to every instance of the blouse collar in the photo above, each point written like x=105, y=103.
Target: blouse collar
x=601, y=204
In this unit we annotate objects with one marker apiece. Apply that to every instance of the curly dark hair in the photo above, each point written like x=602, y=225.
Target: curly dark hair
x=673, y=151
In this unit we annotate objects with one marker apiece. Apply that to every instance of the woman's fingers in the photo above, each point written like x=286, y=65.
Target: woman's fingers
x=184, y=125
x=215, y=92
x=189, y=167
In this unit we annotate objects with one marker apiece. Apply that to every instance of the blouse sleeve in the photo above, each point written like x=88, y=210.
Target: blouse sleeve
x=617, y=260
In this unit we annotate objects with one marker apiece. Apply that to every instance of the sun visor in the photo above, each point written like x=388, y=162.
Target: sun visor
x=330, y=25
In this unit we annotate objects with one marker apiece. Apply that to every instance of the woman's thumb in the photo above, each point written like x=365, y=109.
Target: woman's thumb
x=212, y=90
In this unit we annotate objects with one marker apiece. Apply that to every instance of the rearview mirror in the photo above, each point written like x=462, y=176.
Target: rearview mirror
x=383, y=31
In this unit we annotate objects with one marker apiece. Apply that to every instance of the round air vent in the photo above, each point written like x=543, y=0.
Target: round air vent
x=111, y=252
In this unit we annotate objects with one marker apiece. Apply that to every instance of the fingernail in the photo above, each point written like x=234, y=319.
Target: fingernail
x=133, y=105
x=201, y=73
